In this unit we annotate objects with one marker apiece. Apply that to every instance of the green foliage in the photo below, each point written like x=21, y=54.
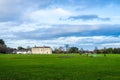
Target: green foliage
x=2, y=42
x=20, y=48
x=108, y=51
x=58, y=50
x=73, y=50
x=59, y=67
x=3, y=47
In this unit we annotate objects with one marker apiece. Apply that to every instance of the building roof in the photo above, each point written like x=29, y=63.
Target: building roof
x=42, y=47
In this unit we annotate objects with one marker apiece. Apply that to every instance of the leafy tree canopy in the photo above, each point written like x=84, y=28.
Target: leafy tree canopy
x=2, y=42
x=73, y=50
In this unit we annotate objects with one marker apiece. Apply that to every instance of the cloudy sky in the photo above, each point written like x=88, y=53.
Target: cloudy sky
x=80, y=23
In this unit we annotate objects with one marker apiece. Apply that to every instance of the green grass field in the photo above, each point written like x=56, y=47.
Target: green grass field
x=59, y=67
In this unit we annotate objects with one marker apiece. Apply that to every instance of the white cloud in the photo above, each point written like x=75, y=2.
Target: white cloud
x=61, y=12
x=64, y=29
x=8, y=36
x=111, y=45
x=25, y=27
x=49, y=16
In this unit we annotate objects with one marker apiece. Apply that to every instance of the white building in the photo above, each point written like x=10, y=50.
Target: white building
x=22, y=52
x=41, y=50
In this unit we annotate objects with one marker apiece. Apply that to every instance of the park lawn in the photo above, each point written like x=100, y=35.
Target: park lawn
x=59, y=67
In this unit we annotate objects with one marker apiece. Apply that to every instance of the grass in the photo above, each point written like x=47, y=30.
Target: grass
x=59, y=67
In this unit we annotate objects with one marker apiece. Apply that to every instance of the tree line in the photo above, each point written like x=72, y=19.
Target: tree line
x=61, y=50
x=108, y=51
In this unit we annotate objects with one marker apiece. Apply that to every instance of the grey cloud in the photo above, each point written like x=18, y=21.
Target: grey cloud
x=13, y=10
x=65, y=30
x=88, y=17
x=55, y=31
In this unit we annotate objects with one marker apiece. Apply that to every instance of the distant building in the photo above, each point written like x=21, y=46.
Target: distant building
x=22, y=52
x=41, y=50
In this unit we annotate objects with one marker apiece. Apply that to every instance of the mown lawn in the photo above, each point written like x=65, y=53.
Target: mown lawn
x=59, y=67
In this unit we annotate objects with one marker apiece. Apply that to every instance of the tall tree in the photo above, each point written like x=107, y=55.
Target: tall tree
x=67, y=47
x=2, y=42
x=81, y=51
x=20, y=48
x=3, y=48
x=73, y=50
x=96, y=50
